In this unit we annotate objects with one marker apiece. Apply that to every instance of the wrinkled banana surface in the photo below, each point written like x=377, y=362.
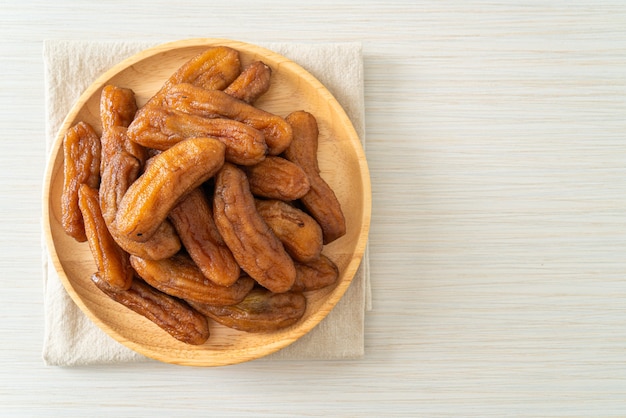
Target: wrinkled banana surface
x=171, y=314
x=112, y=262
x=300, y=234
x=215, y=103
x=193, y=220
x=320, y=200
x=252, y=83
x=260, y=311
x=179, y=276
x=255, y=247
x=81, y=165
x=170, y=175
x=277, y=178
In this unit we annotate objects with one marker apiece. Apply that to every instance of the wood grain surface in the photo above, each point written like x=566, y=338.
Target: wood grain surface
x=497, y=148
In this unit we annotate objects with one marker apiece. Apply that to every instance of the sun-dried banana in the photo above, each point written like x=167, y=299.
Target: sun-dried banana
x=180, y=277
x=193, y=220
x=117, y=110
x=81, y=164
x=300, y=233
x=320, y=201
x=172, y=315
x=252, y=83
x=215, y=103
x=315, y=275
x=260, y=311
x=214, y=68
x=160, y=128
x=112, y=262
x=120, y=171
x=170, y=175
x=117, y=106
x=277, y=178
x=255, y=247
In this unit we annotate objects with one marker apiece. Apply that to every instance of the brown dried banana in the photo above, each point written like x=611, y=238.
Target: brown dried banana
x=260, y=311
x=180, y=277
x=112, y=262
x=300, y=234
x=193, y=220
x=315, y=274
x=214, y=68
x=215, y=104
x=119, y=173
x=160, y=128
x=252, y=83
x=170, y=175
x=81, y=164
x=277, y=178
x=253, y=244
x=321, y=202
x=172, y=315
x=117, y=106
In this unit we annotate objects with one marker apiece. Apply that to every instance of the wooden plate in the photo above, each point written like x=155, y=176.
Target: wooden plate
x=342, y=164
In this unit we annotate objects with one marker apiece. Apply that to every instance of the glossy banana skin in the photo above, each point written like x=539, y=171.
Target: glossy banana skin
x=194, y=100
x=255, y=247
x=81, y=165
x=277, y=178
x=180, y=277
x=170, y=175
x=320, y=201
x=260, y=311
x=172, y=315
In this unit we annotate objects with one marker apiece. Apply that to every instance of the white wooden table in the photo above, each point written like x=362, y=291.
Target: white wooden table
x=497, y=148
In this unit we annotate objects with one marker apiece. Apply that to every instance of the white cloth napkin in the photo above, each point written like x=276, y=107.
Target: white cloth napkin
x=71, y=339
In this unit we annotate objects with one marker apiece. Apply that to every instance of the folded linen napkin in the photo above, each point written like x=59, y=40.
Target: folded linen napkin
x=71, y=339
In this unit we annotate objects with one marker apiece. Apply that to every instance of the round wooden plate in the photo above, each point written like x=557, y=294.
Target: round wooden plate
x=342, y=164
